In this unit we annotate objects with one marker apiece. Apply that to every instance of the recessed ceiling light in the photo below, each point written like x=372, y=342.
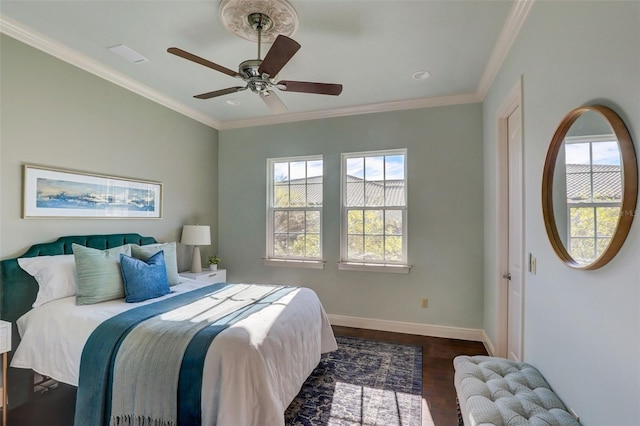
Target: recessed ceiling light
x=128, y=54
x=232, y=102
x=421, y=75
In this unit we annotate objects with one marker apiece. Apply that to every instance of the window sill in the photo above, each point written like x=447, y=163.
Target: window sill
x=294, y=263
x=374, y=267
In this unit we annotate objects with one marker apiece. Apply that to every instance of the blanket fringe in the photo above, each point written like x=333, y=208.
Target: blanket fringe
x=131, y=420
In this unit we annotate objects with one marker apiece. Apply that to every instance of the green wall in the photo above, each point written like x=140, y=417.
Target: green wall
x=57, y=115
x=444, y=212
x=581, y=328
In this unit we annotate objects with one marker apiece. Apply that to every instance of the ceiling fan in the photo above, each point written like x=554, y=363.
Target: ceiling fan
x=259, y=74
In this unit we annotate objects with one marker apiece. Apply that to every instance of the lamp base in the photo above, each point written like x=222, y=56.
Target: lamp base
x=196, y=262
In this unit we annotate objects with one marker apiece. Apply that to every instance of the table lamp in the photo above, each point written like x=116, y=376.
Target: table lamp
x=196, y=235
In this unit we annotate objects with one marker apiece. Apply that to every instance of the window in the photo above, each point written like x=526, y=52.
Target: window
x=374, y=211
x=594, y=194
x=294, y=210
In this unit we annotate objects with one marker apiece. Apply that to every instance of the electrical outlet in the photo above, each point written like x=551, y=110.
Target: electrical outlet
x=425, y=302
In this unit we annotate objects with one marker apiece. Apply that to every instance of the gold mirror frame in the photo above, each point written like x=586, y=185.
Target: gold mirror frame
x=629, y=190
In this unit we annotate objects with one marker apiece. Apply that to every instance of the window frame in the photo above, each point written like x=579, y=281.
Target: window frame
x=271, y=259
x=345, y=263
x=594, y=205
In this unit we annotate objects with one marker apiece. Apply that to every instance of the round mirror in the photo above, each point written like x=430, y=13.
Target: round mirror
x=589, y=187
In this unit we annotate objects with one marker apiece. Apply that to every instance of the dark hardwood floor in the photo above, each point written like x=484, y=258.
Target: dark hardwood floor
x=438, y=391
x=55, y=408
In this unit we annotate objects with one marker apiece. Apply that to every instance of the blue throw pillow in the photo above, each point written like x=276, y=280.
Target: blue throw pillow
x=144, y=279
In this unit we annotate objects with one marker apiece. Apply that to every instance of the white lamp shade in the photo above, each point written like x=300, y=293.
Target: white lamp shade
x=196, y=235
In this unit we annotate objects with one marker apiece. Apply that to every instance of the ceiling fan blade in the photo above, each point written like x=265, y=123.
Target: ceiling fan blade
x=222, y=92
x=274, y=103
x=202, y=61
x=277, y=57
x=309, y=87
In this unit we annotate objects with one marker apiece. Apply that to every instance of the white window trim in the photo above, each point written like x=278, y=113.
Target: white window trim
x=348, y=265
x=393, y=268
x=294, y=262
x=590, y=139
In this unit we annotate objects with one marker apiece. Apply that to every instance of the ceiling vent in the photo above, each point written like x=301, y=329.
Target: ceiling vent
x=128, y=54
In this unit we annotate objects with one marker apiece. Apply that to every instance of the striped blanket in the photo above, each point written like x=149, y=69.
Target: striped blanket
x=144, y=366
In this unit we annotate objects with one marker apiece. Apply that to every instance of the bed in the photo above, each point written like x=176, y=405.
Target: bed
x=251, y=370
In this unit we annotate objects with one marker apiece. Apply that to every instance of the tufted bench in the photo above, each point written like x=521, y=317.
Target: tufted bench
x=498, y=391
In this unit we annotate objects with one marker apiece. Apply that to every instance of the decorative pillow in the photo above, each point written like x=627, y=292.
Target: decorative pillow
x=170, y=257
x=99, y=277
x=56, y=276
x=144, y=280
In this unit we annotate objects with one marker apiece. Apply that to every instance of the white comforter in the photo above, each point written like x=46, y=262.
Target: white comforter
x=252, y=371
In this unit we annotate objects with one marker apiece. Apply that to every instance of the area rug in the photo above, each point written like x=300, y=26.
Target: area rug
x=364, y=382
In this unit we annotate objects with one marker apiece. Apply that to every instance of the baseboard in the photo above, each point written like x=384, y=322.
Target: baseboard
x=472, y=334
x=488, y=344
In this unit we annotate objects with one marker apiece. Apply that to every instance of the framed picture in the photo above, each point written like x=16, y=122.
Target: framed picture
x=58, y=193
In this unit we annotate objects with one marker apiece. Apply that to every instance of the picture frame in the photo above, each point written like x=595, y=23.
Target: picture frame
x=60, y=193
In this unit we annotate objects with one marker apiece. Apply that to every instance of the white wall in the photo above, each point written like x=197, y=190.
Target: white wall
x=582, y=328
x=57, y=115
x=444, y=160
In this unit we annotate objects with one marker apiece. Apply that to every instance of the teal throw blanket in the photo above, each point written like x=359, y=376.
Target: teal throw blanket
x=144, y=366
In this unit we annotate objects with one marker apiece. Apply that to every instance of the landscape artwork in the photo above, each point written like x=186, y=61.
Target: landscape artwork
x=60, y=193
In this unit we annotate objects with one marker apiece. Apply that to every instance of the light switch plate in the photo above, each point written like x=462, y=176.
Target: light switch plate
x=532, y=263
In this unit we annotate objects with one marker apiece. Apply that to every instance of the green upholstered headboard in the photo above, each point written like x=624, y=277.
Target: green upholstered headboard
x=18, y=291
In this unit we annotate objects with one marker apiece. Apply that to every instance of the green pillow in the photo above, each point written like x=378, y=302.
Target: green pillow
x=170, y=257
x=99, y=275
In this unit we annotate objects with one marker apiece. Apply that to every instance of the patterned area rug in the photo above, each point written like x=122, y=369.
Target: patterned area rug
x=362, y=383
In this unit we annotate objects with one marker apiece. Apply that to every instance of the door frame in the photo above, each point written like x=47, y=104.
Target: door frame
x=511, y=102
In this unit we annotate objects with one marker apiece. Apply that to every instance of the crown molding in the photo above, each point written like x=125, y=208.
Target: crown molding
x=509, y=32
x=355, y=110
x=41, y=42
x=507, y=36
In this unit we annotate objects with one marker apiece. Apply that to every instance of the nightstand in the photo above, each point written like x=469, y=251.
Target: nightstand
x=209, y=277
x=5, y=347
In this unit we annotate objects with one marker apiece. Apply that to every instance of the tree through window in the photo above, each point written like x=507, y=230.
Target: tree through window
x=594, y=194
x=374, y=213
x=294, y=216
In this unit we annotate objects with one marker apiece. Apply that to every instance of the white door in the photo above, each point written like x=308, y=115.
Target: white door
x=515, y=274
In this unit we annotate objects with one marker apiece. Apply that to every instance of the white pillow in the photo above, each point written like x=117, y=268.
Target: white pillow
x=56, y=276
